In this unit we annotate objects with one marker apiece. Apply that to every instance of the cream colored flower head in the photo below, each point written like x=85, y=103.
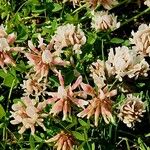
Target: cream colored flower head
x=131, y=111
x=29, y=113
x=101, y=21
x=141, y=39
x=32, y=85
x=69, y=35
x=147, y=2
x=97, y=70
x=125, y=62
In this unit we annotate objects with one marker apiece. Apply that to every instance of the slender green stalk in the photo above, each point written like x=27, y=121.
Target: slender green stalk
x=135, y=17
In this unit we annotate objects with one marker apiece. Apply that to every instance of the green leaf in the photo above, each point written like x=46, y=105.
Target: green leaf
x=147, y=135
x=57, y=7
x=21, y=67
x=1, y=98
x=2, y=112
x=117, y=40
x=54, y=81
x=32, y=143
x=78, y=135
x=93, y=146
x=91, y=38
x=2, y=73
x=83, y=123
x=9, y=79
x=37, y=138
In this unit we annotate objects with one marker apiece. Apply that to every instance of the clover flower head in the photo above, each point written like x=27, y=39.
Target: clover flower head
x=5, y=49
x=69, y=35
x=100, y=104
x=32, y=85
x=44, y=58
x=126, y=62
x=131, y=111
x=97, y=70
x=141, y=39
x=63, y=141
x=65, y=97
x=102, y=21
x=29, y=113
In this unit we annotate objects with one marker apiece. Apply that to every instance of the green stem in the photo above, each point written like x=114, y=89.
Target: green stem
x=10, y=92
x=135, y=17
x=78, y=9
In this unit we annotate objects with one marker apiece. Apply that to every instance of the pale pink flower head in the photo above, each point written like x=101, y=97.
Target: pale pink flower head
x=44, y=58
x=29, y=114
x=63, y=141
x=69, y=35
x=97, y=70
x=147, y=2
x=102, y=21
x=141, y=39
x=32, y=85
x=125, y=62
x=65, y=97
x=100, y=104
x=131, y=111
x=5, y=48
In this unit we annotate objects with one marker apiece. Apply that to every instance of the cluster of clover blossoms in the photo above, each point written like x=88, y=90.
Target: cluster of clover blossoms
x=93, y=100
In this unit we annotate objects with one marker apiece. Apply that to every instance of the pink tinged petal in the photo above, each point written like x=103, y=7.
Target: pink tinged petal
x=31, y=46
x=40, y=41
x=11, y=38
x=60, y=143
x=41, y=105
x=70, y=92
x=79, y=102
x=31, y=112
x=97, y=113
x=32, y=130
x=41, y=125
x=51, y=100
x=22, y=130
x=101, y=95
x=77, y=83
x=53, y=139
x=112, y=93
x=87, y=88
x=65, y=110
x=46, y=56
x=69, y=144
x=106, y=114
x=57, y=107
x=83, y=113
x=15, y=122
x=64, y=146
x=62, y=93
x=27, y=101
x=61, y=80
